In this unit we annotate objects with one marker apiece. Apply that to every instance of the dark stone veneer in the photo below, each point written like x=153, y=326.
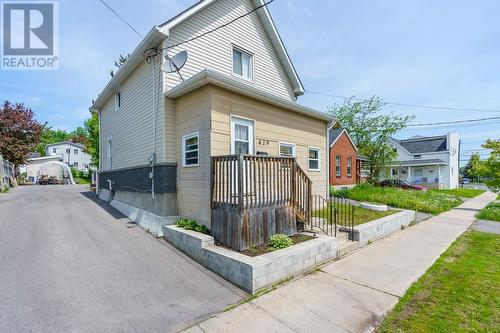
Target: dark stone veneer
x=136, y=179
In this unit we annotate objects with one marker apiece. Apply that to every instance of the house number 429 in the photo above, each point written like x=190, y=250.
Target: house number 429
x=263, y=142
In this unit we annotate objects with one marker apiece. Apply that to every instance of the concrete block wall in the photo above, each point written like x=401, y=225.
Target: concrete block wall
x=251, y=273
x=382, y=227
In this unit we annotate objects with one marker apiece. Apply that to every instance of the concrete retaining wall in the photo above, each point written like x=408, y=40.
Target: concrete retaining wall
x=382, y=227
x=251, y=273
x=148, y=221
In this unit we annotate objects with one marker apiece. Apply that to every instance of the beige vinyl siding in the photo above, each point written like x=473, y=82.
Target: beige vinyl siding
x=131, y=126
x=193, y=183
x=214, y=51
x=272, y=125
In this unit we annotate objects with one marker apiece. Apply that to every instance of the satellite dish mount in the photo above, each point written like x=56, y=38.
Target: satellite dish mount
x=175, y=63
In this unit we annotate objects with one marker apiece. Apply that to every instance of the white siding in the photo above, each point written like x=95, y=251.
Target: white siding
x=83, y=159
x=131, y=126
x=214, y=51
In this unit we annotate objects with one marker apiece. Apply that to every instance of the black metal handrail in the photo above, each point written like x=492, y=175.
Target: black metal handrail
x=332, y=215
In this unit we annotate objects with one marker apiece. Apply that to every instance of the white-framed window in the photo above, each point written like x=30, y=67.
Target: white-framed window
x=75, y=151
x=338, y=170
x=191, y=150
x=242, y=136
x=313, y=158
x=75, y=164
x=242, y=63
x=110, y=154
x=118, y=100
x=54, y=150
x=349, y=166
x=287, y=149
x=68, y=151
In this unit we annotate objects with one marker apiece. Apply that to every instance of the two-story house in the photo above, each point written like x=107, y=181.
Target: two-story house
x=220, y=139
x=432, y=161
x=71, y=153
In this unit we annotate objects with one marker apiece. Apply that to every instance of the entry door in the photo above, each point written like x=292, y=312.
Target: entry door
x=242, y=136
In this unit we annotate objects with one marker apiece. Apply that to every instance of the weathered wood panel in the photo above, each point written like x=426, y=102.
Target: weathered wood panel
x=254, y=226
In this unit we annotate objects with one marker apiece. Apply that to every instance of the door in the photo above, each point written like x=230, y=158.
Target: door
x=242, y=136
x=243, y=142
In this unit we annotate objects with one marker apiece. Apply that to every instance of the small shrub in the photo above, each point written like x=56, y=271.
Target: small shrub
x=280, y=241
x=192, y=225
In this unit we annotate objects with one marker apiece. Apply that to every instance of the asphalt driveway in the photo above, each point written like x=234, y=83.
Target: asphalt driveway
x=69, y=263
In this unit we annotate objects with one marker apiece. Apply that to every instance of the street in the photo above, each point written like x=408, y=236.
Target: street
x=72, y=264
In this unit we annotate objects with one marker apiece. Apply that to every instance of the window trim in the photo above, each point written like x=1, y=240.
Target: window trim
x=184, y=138
x=309, y=158
x=109, y=148
x=118, y=100
x=293, y=145
x=232, y=134
x=339, y=165
x=349, y=167
x=252, y=58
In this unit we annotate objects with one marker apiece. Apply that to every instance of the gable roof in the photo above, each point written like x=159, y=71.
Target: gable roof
x=269, y=27
x=208, y=76
x=335, y=134
x=420, y=144
x=71, y=143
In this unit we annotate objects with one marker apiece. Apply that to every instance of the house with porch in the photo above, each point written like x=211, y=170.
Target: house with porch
x=223, y=140
x=431, y=161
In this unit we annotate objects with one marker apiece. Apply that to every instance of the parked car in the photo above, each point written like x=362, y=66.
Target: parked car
x=465, y=181
x=402, y=184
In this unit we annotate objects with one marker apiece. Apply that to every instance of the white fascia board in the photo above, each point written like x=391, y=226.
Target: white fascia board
x=152, y=39
x=208, y=76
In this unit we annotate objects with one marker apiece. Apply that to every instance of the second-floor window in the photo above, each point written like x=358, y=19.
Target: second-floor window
x=54, y=150
x=118, y=100
x=75, y=151
x=242, y=64
x=68, y=151
x=338, y=173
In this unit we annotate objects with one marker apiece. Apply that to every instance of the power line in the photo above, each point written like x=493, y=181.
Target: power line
x=408, y=105
x=455, y=122
x=216, y=28
x=121, y=18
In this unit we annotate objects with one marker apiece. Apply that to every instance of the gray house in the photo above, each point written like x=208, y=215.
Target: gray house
x=161, y=134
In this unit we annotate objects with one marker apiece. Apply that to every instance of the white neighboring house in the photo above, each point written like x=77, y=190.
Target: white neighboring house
x=427, y=160
x=71, y=153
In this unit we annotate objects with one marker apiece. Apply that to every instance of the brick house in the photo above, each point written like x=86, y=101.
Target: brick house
x=345, y=162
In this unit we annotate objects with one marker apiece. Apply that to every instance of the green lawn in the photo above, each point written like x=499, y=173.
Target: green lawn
x=81, y=181
x=490, y=212
x=361, y=215
x=462, y=192
x=423, y=201
x=459, y=293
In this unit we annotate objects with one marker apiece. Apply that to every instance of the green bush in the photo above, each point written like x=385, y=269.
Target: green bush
x=280, y=241
x=490, y=212
x=192, y=225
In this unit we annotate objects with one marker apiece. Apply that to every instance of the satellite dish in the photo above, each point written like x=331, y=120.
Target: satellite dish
x=175, y=63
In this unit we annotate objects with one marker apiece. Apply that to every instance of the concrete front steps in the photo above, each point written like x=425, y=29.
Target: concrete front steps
x=344, y=245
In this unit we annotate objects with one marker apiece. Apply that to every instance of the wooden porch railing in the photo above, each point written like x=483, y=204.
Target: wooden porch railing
x=247, y=181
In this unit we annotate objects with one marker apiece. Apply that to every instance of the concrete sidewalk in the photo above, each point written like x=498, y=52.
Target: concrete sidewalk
x=352, y=295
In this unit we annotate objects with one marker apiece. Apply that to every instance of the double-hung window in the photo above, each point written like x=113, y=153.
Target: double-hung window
x=54, y=150
x=313, y=158
x=191, y=150
x=118, y=100
x=349, y=166
x=68, y=151
x=75, y=151
x=287, y=149
x=242, y=64
x=338, y=161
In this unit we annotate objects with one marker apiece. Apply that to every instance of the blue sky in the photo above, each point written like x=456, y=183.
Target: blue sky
x=439, y=53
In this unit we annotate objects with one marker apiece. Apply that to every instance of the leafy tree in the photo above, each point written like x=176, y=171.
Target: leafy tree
x=370, y=130
x=473, y=168
x=92, y=132
x=491, y=166
x=50, y=136
x=20, y=132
